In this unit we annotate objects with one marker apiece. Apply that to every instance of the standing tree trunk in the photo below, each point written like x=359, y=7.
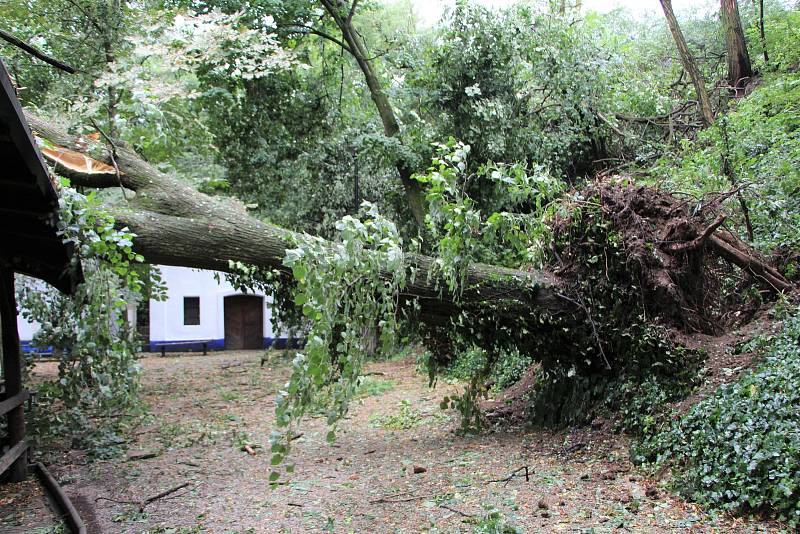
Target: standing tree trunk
x=354, y=44
x=739, y=67
x=688, y=64
x=761, y=31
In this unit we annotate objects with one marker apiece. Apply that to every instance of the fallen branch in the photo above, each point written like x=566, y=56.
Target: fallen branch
x=161, y=495
x=747, y=262
x=695, y=243
x=513, y=474
x=391, y=498
x=144, y=503
x=456, y=510
x=35, y=52
x=609, y=124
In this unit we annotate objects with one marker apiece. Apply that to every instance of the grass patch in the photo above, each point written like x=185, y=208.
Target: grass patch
x=370, y=386
x=405, y=418
x=229, y=395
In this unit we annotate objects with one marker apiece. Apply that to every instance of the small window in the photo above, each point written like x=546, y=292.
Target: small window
x=191, y=310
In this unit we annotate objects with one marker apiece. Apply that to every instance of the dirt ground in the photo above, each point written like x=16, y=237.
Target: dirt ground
x=397, y=465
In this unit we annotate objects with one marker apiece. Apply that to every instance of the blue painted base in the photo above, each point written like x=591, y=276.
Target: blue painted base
x=280, y=343
x=27, y=347
x=219, y=344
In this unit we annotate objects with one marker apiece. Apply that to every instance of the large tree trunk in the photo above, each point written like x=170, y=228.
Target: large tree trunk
x=688, y=64
x=739, y=68
x=177, y=225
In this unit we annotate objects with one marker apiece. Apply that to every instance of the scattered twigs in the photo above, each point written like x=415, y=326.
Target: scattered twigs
x=393, y=497
x=143, y=504
x=575, y=447
x=98, y=499
x=456, y=510
x=513, y=474
x=35, y=52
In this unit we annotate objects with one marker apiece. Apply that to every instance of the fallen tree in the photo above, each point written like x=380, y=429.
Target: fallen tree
x=629, y=266
x=177, y=225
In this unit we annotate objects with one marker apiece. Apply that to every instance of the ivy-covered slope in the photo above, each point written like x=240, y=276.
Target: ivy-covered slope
x=740, y=448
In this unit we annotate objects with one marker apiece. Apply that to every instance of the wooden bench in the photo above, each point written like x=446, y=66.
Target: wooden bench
x=163, y=346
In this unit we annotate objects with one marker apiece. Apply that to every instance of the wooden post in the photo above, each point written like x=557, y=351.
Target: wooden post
x=12, y=370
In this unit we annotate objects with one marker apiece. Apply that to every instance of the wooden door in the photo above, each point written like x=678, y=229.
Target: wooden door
x=244, y=322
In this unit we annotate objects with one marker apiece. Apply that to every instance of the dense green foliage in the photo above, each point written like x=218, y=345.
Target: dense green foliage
x=517, y=86
x=344, y=294
x=740, y=448
x=760, y=137
x=87, y=331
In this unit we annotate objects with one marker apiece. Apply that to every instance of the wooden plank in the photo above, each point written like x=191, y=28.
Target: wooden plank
x=72, y=517
x=12, y=455
x=12, y=371
x=12, y=402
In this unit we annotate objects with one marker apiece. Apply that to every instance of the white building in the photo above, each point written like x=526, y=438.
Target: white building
x=199, y=312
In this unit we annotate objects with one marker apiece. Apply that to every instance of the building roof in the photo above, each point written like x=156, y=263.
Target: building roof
x=28, y=201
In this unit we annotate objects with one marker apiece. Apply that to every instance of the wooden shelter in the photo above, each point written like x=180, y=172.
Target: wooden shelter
x=29, y=244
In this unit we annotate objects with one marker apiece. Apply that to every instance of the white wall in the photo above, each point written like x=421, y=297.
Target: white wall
x=166, y=317
x=26, y=329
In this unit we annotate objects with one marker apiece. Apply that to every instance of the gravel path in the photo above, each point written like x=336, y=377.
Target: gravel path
x=397, y=465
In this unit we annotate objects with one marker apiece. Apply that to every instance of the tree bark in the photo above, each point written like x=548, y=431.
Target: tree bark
x=689, y=64
x=739, y=67
x=177, y=225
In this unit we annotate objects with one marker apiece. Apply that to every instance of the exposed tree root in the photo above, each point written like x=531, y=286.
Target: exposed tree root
x=682, y=262
x=639, y=258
